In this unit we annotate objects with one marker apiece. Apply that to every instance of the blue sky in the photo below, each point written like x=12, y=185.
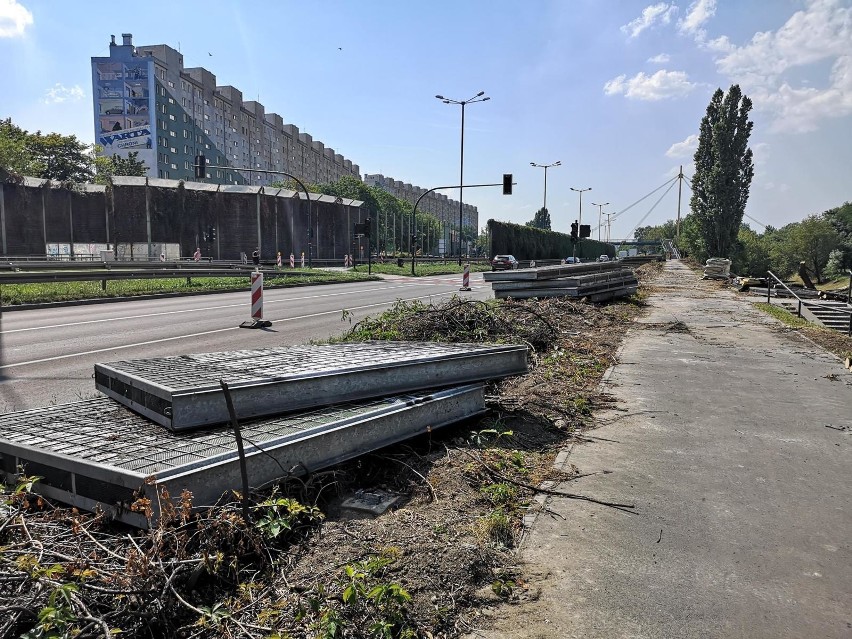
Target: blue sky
x=614, y=90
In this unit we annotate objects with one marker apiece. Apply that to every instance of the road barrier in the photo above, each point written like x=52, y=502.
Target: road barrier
x=256, y=320
x=303, y=259
x=466, y=278
x=292, y=261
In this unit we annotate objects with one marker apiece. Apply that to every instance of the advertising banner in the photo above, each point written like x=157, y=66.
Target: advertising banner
x=135, y=138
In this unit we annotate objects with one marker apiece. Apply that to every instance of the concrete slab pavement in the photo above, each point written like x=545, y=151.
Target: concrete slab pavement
x=743, y=495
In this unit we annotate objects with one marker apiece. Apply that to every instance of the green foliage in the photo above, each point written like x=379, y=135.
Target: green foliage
x=279, y=515
x=667, y=230
x=752, y=254
x=723, y=171
x=108, y=166
x=541, y=219
x=495, y=528
x=501, y=494
x=56, y=620
x=812, y=240
x=62, y=158
x=528, y=243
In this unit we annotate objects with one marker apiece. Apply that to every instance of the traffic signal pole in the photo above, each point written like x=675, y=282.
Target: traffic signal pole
x=507, y=190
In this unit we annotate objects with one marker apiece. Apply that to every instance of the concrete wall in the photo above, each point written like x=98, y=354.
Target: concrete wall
x=35, y=213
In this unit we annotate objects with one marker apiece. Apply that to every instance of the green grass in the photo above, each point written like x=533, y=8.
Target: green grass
x=784, y=315
x=421, y=269
x=12, y=294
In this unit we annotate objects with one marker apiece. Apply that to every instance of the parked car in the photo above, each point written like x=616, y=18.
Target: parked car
x=571, y=260
x=603, y=258
x=504, y=263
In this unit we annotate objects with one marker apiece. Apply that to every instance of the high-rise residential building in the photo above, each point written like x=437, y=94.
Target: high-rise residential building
x=438, y=204
x=146, y=101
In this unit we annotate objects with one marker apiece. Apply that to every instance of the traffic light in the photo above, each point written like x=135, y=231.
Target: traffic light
x=212, y=234
x=367, y=225
x=413, y=239
x=585, y=230
x=574, y=230
x=200, y=166
x=507, y=184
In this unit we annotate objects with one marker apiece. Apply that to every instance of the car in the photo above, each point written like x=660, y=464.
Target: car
x=504, y=263
x=603, y=258
x=114, y=111
x=571, y=260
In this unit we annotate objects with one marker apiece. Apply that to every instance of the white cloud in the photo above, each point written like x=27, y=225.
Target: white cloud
x=59, y=93
x=660, y=12
x=821, y=32
x=14, y=19
x=662, y=58
x=661, y=85
x=698, y=13
x=683, y=149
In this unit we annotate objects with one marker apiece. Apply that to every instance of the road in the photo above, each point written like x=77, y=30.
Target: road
x=47, y=356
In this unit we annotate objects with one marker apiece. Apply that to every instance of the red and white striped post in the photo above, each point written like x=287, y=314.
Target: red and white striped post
x=256, y=320
x=257, y=295
x=278, y=261
x=466, y=278
x=292, y=261
x=303, y=259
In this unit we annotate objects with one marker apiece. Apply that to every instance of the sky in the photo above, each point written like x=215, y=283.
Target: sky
x=614, y=90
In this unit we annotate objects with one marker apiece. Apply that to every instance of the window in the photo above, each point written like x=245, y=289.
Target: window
x=171, y=117
x=171, y=100
x=186, y=149
x=186, y=164
x=185, y=134
x=173, y=134
x=174, y=166
x=173, y=150
x=163, y=108
x=171, y=84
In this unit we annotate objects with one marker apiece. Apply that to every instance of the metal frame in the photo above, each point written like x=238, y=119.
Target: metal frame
x=183, y=392
x=87, y=460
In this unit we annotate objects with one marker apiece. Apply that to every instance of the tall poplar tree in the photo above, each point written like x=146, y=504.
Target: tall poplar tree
x=723, y=171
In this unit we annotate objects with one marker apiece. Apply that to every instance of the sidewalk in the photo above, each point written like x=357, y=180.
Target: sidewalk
x=743, y=495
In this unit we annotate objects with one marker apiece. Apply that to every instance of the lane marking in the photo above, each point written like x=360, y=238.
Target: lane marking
x=194, y=310
x=218, y=330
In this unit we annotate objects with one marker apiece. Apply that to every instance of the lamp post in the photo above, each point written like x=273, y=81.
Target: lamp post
x=580, y=219
x=477, y=98
x=600, y=216
x=608, y=226
x=545, y=167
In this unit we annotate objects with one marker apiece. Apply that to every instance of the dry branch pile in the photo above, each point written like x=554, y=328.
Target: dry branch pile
x=302, y=568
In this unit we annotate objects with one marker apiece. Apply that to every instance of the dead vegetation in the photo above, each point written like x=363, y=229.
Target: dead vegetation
x=301, y=568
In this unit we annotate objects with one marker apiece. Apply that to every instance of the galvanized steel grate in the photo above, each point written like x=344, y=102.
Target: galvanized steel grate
x=183, y=392
x=96, y=453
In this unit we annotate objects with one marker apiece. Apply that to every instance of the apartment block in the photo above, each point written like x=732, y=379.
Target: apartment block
x=438, y=204
x=144, y=100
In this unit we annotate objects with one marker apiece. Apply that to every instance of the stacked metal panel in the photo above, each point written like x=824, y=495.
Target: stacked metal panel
x=296, y=407
x=97, y=454
x=183, y=392
x=597, y=282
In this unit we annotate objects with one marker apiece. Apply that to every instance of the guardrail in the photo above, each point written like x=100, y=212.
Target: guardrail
x=799, y=308
x=105, y=275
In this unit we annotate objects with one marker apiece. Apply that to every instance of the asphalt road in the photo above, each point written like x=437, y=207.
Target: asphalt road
x=47, y=356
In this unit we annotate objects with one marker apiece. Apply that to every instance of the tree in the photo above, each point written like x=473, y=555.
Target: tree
x=723, y=171
x=52, y=156
x=541, y=219
x=667, y=230
x=108, y=166
x=812, y=240
x=752, y=254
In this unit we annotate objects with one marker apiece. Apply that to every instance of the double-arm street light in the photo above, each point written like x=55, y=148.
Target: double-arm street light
x=477, y=98
x=580, y=191
x=545, y=167
x=600, y=216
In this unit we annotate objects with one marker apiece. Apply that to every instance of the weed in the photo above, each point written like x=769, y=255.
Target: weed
x=501, y=494
x=282, y=514
x=495, y=528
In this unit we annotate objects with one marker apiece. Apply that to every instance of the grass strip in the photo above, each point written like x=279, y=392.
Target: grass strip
x=14, y=294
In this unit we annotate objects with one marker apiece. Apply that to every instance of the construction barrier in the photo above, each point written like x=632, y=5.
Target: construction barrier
x=257, y=295
x=303, y=259
x=278, y=261
x=347, y=260
x=466, y=278
x=292, y=261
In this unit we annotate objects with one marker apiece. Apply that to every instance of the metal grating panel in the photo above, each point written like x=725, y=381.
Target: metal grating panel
x=183, y=392
x=107, y=452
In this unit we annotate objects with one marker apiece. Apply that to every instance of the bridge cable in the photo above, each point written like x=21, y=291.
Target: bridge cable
x=644, y=217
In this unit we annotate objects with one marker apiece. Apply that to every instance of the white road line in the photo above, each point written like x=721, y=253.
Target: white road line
x=194, y=310
x=218, y=330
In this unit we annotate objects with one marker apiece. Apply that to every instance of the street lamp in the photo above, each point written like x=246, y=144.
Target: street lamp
x=600, y=216
x=477, y=98
x=580, y=191
x=545, y=167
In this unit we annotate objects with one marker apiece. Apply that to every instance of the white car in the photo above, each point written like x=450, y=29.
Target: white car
x=603, y=258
